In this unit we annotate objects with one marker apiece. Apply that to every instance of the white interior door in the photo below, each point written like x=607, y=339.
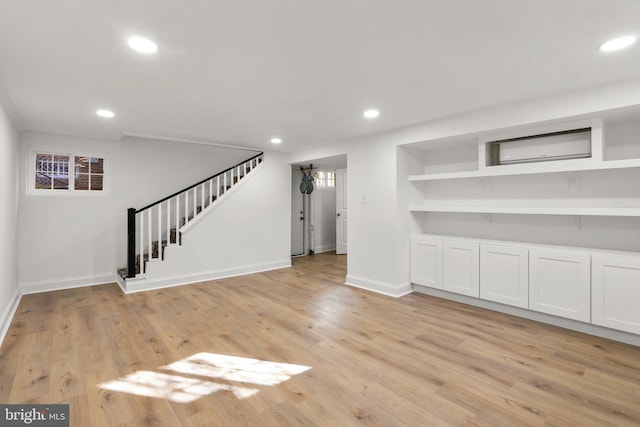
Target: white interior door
x=341, y=211
x=297, y=215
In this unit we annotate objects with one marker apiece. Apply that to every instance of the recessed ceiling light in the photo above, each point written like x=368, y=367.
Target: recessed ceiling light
x=105, y=113
x=617, y=44
x=371, y=114
x=276, y=140
x=142, y=45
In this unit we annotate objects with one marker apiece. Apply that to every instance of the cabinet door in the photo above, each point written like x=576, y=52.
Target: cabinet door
x=616, y=292
x=426, y=261
x=504, y=274
x=560, y=283
x=461, y=267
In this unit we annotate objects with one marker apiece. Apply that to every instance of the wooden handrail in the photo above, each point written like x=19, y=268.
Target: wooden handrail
x=198, y=183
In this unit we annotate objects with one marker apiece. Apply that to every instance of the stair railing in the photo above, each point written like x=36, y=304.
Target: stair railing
x=158, y=224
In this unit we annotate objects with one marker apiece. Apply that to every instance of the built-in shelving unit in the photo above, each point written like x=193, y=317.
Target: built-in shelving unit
x=494, y=195
x=545, y=216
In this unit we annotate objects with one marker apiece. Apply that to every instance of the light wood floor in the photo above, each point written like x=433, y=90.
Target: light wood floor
x=374, y=360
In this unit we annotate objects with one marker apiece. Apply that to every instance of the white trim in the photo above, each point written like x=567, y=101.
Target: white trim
x=388, y=289
x=9, y=313
x=573, y=325
x=146, y=284
x=122, y=283
x=68, y=283
x=135, y=135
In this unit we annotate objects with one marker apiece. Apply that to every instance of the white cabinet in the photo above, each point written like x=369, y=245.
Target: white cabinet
x=426, y=261
x=461, y=267
x=560, y=283
x=504, y=274
x=616, y=292
x=588, y=285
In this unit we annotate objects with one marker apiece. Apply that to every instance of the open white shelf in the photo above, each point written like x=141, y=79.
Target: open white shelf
x=530, y=210
x=532, y=168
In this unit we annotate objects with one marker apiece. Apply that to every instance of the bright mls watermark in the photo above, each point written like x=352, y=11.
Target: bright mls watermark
x=34, y=415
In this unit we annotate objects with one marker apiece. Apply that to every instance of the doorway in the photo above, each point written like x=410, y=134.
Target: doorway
x=314, y=219
x=297, y=214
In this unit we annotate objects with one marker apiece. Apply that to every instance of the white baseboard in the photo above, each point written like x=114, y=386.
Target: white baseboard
x=146, y=284
x=395, y=291
x=7, y=316
x=68, y=283
x=574, y=325
x=121, y=283
x=326, y=248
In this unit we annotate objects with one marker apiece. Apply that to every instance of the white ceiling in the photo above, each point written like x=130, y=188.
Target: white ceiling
x=241, y=71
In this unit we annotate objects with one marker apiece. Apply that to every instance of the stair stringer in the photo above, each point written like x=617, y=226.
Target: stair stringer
x=247, y=230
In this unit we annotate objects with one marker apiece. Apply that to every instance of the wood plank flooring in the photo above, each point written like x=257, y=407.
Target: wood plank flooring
x=353, y=358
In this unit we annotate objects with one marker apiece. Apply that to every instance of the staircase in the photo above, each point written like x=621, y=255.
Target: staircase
x=152, y=228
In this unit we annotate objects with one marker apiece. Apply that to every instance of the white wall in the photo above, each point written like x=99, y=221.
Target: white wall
x=247, y=230
x=8, y=220
x=75, y=240
x=379, y=226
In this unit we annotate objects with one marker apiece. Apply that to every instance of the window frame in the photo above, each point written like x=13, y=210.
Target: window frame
x=325, y=179
x=71, y=191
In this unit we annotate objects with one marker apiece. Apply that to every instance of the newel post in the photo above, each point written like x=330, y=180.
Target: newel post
x=131, y=242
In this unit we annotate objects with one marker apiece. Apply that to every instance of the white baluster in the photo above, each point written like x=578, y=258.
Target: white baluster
x=150, y=220
x=202, y=196
x=168, y=222
x=186, y=207
x=159, y=228
x=177, y=215
x=195, y=201
x=141, y=241
x=210, y=191
x=225, y=181
x=218, y=186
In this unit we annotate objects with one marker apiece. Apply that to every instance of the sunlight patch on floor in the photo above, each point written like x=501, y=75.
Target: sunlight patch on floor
x=171, y=387
x=240, y=369
x=181, y=388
